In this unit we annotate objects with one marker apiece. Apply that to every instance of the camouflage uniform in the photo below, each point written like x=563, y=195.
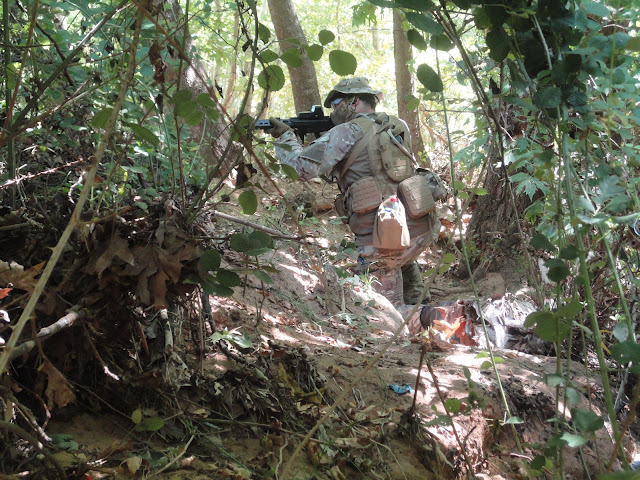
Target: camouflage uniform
x=326, y=156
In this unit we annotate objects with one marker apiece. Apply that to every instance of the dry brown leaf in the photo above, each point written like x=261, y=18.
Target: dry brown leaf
x=58, y=392
x=18, y=276
x=116, y=247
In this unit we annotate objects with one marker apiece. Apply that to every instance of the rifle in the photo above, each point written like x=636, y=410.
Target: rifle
x=314, y=121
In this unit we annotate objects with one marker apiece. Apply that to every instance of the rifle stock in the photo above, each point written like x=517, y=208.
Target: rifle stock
x=313, y=121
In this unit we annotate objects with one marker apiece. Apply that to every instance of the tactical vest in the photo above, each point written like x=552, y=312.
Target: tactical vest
x=392, y=169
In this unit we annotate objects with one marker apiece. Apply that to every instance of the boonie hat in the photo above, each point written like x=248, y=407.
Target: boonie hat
x=349, y=86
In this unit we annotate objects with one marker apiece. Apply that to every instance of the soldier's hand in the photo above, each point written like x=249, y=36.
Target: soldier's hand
x=278, y=127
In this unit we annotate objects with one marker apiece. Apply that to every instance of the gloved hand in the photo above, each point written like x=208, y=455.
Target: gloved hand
x=277, y=127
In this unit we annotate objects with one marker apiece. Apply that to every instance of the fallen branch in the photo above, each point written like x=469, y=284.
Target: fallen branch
x=270, y=231
x=62, y=324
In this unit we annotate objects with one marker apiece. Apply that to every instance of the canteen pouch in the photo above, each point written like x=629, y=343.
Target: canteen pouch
x=416, y=196
x=390, y=230
x=364, y=195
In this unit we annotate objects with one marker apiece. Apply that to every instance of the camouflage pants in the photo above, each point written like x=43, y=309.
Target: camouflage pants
x=388, y=267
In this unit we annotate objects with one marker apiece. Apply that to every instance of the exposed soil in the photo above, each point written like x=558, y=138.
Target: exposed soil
x=247, y=406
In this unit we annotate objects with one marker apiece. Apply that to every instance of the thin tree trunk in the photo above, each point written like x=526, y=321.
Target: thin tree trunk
x=304, y=82
x=405, y=84
x=216, y=135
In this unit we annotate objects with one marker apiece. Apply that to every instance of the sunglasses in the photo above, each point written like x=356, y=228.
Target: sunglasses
x=335, y=103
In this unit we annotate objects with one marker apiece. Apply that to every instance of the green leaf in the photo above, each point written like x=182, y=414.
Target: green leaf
x=424, y=22
x=212, y=114
x=586, y=421
x=498, y=43
x=342, y=63
x=181, y=96
x=595, y=8
x=268, y=56
x=441, y=42
x=486, y=365
x=416, y=39
x=412, y=103
x=101, y=118
x=573, y=440
x=453, y=405
x=429, y=78
x=553, y=380
x=136, y=416
x=558, y=270
x=243, y=341
x=184, y=108
x=193, y=118
x=541, y=242
x=263, y=32
x=535, y=317
x=448, y=258
x=291, y=56
x=314, y=52
x=260, y=239
x=633, y=44
x=548, y=97
x=420, y=5
x=240, y=242
x=262, y=276
x=625, y=352
x=569, y=253
x=248, y=201
x=570, y=310
x=326, y=36
x=554, y=329
x=210, y=260
x=213, y=288
x=205, y=100
x=538, y=462
x=514, y=421
x=153, y=424
x=227, y=278
x=271, y=78
x=289, y=171
x=144, y=134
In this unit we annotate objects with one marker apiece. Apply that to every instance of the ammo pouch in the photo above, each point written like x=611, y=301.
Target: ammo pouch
x=416, y=196
x=363, y=196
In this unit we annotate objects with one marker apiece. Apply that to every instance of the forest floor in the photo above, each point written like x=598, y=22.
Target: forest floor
x=312, y=348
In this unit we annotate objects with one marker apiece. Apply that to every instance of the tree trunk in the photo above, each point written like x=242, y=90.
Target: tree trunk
x=405, y=85
x=304, y=82
x=215, y=148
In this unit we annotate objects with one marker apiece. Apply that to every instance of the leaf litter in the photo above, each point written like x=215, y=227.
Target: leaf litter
x=242, y=403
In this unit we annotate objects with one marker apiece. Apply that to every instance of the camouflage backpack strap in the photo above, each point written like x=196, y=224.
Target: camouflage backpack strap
x=369, y=131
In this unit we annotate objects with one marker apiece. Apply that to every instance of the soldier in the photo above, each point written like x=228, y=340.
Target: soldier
x=353, y=153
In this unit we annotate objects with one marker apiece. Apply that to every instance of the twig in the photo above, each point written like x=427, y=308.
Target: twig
x=268, y=230
x=35, y=443
x=453, y=425
x=178, y=457
x=415, y=393
x=62, y=324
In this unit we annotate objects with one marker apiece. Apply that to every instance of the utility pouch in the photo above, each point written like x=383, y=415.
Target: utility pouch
x=390, y=230
x=364, y=195
x=338, y=204
x=437, y=187
x=416, y=196
x=396, y=160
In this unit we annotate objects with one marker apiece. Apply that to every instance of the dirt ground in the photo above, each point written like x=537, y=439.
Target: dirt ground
x=329, y=345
